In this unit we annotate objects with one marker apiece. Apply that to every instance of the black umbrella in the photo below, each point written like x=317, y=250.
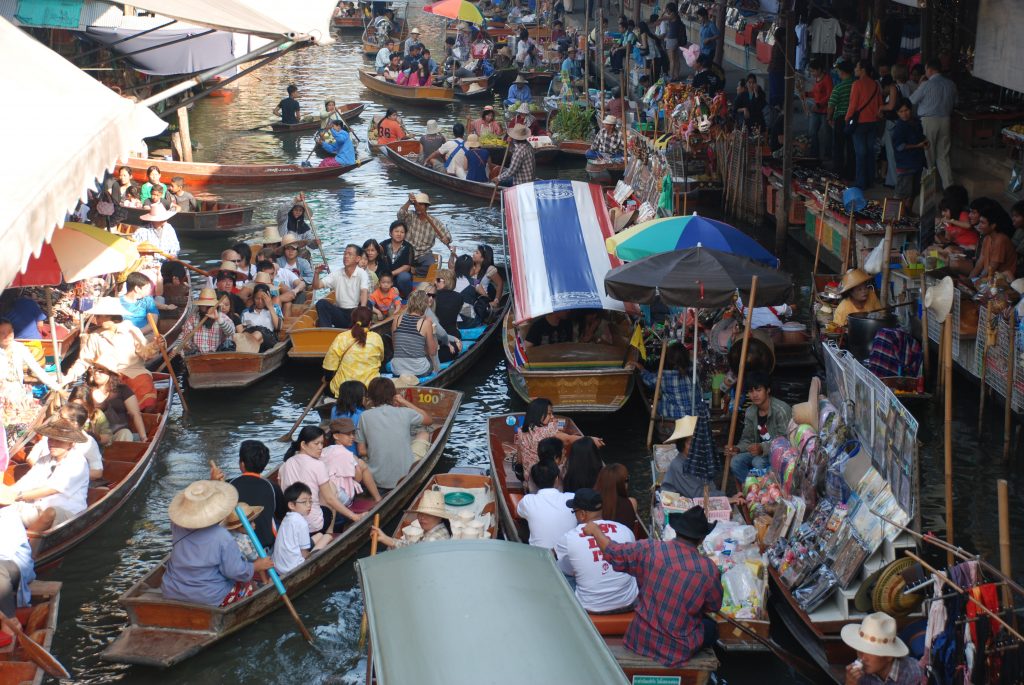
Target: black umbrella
x=697, y=277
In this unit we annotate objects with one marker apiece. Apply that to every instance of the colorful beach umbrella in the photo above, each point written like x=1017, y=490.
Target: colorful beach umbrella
x=456, y=9
x=77, y=251
x=680, y=232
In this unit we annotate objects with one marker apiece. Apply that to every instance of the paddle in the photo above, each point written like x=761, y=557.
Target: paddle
x=312, y=228
x=287, y=437
x=273, y=574
x=504, y=158
x=150, y=248
x=373, y=552
x=35, y=651
x=191, y=335
x=268, y=122
x=162, y=344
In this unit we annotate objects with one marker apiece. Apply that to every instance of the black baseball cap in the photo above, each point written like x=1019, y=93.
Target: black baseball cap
x=585, y=499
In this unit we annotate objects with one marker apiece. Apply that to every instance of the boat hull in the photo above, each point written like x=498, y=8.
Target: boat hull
x=39, y=621
x=396, y=152
x=233, y=369
x=349, y=112
x=420, y=95
x=214, y=219
x=199, y=174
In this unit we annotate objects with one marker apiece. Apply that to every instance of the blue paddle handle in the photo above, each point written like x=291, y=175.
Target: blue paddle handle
x=259, y=548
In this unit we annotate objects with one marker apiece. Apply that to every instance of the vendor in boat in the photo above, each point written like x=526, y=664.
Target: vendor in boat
x=206, y=566
x=539, y=423
x=302, y=464
x=390, y=128
x=215, y=327
x=292, y=218
x=421, y=231
x=570, y=65
x=356, y=354
x=392, y=434
x=158, y=232
x=329, y=113
x=432, y=518
x=430, y=141
x=351, y=287
x=858, y=294
x=383, y=58
x=14, y=358
x=339, y=144
x=255, y=490
x=882, y=657
x=765, y=419
x=608, y=141
x=522, y=165
x=152, y=179
x=503, y=58
x=288, y=108
x=524, y=115
x=55, y=489
x=291, y=262
x=678, y=587
x=17, y=569
x=519, y=92
x=487, y=123
x=688, y=472
x=450, y=158
x=997, y=254
x=120, y=346
x=477, y=160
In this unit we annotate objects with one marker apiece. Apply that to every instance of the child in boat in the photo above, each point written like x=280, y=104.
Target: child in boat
x=294, y=543
x=349, y=473
x=431, y=518
x=131, y=198
x=350, y=404
x=385, y=298
x=157, y=197
x=242, y=539
x=185, y=200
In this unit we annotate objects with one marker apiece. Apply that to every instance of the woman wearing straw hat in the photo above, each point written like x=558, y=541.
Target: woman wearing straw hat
x=215, y=327
x=431, y=517
x=858, y=296
x=519, y=92
x=206, y=566
x=487, y=123
x=881, y=655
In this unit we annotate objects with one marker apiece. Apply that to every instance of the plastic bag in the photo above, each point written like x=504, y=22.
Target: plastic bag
x=875, y=261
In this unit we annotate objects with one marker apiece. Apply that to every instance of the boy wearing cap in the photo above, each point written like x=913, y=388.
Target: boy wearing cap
x=765, y=419
x=881, y=655
x=600, y=589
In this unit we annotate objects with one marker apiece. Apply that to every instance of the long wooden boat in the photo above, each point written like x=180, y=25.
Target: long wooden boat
x=573, y=148
x=405, y=155
x=125, y=464
x=347, y=24
x=419, y=95
x=349, y=112
x=465, y=93
x=213, y=219
x=39, y=621
x=311, y=341
x=370, y=44
x=477, y=485
x=233, y=369
x=577, y=378
x=502, y=31
x=606, y=173
x=163, y=632
x=198, y=174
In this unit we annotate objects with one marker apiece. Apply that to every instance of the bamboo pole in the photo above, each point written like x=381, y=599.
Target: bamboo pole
x=924, y=332
x=947, y=373
x=1011, y=369
x=886, y=252
x=586, y=55
x=849, y=243
x=624, y=83
x=600, y=54
x=657, y=390
x=186, y=136
x=1005, y=555
x=738, y=398
x=53, y=340
x=817, y=235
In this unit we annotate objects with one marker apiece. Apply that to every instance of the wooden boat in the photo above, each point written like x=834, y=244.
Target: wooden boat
x=39, y=621
x=370, y=44
x=371, y=133
x=347, y=24
x=213, y=220
x=405, y=155
x=349, y=112
x=233, y=369
x=605, y=173
x=163, y=632
x=478, y=485
x=574, y=148
x=500, y=31
x=125, y=464
x=465, y=92
x=198, y=174
x=577, y=378
x=419, y=95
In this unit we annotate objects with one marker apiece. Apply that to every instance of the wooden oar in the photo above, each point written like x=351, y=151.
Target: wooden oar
x=312, y=228
x=287, y=437
x=363, y=625
x=504, y=158
x=35, y=651
x=791, y=659
x=180, y=350
x=162, y=344
x=273, y=574
x=150, y=248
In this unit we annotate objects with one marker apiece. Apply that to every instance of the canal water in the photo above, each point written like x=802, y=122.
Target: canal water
x=358, y=206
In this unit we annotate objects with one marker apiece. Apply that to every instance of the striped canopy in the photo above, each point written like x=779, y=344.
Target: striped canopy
x=556, y=243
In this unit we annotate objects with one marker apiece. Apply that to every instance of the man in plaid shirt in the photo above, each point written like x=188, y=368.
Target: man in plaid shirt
x=608, y=141
x=678, y=587
x=421, y=230
x=522, y=166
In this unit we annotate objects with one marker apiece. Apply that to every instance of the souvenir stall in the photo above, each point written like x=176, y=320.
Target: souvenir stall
x=645, y=191
x=694, y=123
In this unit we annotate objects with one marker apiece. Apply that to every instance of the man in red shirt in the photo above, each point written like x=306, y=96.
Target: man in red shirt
x=817, y=102
x=678, y=586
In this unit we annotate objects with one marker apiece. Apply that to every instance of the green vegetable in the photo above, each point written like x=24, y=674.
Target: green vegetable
x=574, y=122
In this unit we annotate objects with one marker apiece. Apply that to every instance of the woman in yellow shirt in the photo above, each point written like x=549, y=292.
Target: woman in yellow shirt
x=858, y=296
x=355, y=354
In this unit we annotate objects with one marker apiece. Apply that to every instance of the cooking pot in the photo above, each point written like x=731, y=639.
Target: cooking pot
x=861, y=330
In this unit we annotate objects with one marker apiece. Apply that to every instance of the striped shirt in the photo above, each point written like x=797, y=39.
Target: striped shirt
x=410, y=348
x=839, y=101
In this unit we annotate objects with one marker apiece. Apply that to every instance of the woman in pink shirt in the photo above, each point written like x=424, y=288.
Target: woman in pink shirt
x=865, y=107
x=302, y=463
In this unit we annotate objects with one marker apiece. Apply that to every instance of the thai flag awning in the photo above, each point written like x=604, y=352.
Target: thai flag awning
x=556, y=240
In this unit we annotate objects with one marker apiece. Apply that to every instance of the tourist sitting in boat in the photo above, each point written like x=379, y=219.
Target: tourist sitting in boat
x=339, y=145
x=598, y=589
x=255, y=490
x=519, y=92
x=429, y=61
x=448, y=347
x=372, y=261
x=432, y=518
x=582, y=465
x=293, y=543
x=350, y=474
x=152, y=179
x=545, y=511
x=882, y=657
x=390, y=128
x=478, y=160
x=77, y=414
x=522, y=164
x=158, y=197
x=430, y=141
x=131, y=198
x=158, y=232
x=355, y=354
x=421, y=75
x=120, y=347
x=383, y=58
x=121, y=183
x=549, y=329
x=393, y=70
x=997, y=254
x=185, y=200
x=14, y=357
x=215, y=327
x=765, y=418
x=17, y=568
x=351, y=400
x=262, y=313
x=226, y=288
x=608, y=141
x=415, y=344
x=595, y=328
x=450, y=158
x=351, y=287
x=397, y=257
x=539, y=423
x=138, y=301
x=678, y=587
x=288, y=108
x=385, y=299
x=447, y=304
x=206, y=566
x=117, y=402
x=421, y=230
x=302, y=463
x=291, y=262
x=487, y=123
x=858, y=293
x=55, y=489
x=613, y=486
x=392, y=434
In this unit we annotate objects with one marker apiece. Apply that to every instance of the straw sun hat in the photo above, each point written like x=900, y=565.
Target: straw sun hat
x=107, y=306
x=472, y=141
x=684, y=428
x=853, y=278
x=158, y=214
x=807, y=412
x=875, y=635
x=422, y=198
x=432, y=503
x=609, y=119
x=519, y=132
x=207, y=298
x=938, y=299
x=406, y=381
x=203, y=503
x=61, y=429
x=271, y=235
x=232, y=522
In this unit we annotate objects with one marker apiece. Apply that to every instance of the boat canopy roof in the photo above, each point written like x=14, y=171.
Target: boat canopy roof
x=556, y=244
x=308, y=19
x=478, y=611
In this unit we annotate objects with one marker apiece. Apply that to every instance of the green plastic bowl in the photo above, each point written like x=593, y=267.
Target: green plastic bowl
x=459, y=499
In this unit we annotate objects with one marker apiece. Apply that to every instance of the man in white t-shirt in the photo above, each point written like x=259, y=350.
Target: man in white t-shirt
x=451, y=156
x=545, y=512
x=56, y=489
x=351, y=287
x=599, y=588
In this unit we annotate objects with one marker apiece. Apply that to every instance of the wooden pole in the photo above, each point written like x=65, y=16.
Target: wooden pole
x=287, y=437
x=1011, y=369
x=586, y=54
x=817, y=236
x=657, y=390
x=186, y=136
x=850, y=240
x=886, y=251
x=624, y=83
x=786, y=201
x=504, y=158
x=988, y=334
x=161, y=343
x=1005, y=554
x=53, y=340
x=947, y=373
x=312, y=228
x=924, y=332
x=738, y=398
x=600, y=54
